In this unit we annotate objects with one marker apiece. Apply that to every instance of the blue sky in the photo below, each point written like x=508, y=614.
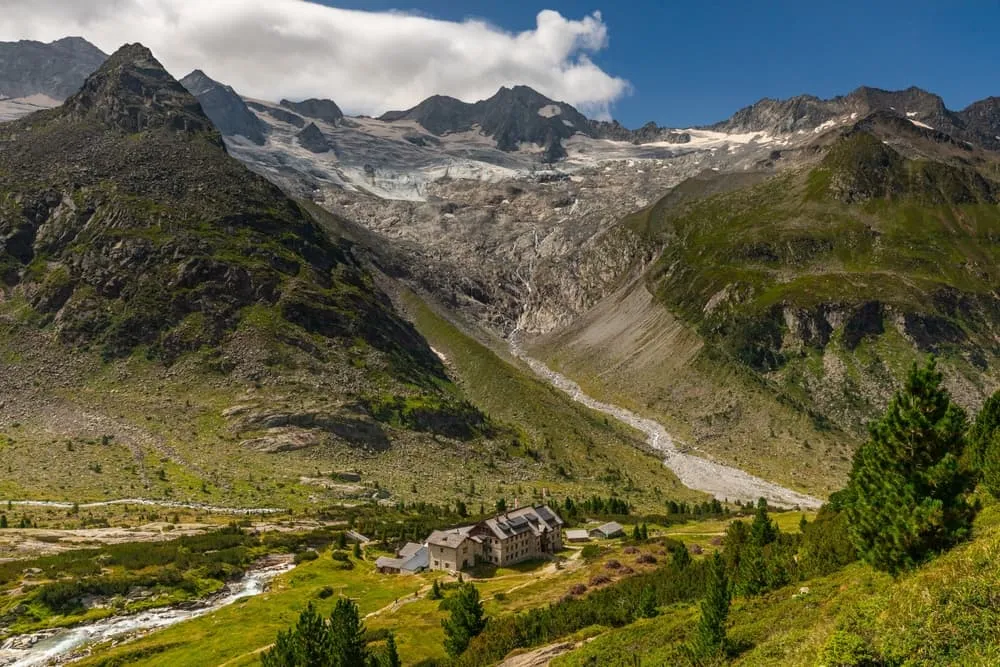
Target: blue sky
x=698, y=62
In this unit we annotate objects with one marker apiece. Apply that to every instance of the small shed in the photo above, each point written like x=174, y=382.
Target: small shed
x=577, y=535
x=411, y=558
x=608, y=530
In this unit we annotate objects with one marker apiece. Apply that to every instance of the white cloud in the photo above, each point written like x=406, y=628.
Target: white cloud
x=368, y=62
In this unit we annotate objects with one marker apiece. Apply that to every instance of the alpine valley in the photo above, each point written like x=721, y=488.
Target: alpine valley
x=215, y=304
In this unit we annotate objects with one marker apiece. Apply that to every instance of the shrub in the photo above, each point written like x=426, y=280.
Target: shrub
x=577, y=589
x=305, y=556
x=590, y=552
x=600, y=580
x=631, y=550
x=341, y=556
x=325, y=592
x=613, y=565
x=646, y=559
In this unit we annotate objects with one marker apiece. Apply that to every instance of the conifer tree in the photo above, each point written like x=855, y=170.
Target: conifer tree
x=636, y=533
x=679, y=557
x=763, y=530
x=3, y=520
x=908, y=490
x=357, y=551
x=435, y=593
x=990, y=466
x=645, y=532
x=391, y=653
x=710, y=636
x=308, y=643
x=647, y=602
x=981, y=435
x=467, y=620
x=347, y=635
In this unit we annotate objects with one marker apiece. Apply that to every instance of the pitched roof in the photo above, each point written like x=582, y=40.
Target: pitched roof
x=537, y=520
x=410, y=549
x=577, y=534
x=610, y=528
x=412, y=557
x=385, y=561
x=449, y=538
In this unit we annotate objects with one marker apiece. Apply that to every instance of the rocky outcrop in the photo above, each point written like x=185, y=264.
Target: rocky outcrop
x=132, y=92
x=312, y=139
x=979, y=123
x=324, y=110
x=225, y=108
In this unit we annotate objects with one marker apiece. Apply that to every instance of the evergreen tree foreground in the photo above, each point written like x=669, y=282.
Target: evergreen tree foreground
x=907, y=495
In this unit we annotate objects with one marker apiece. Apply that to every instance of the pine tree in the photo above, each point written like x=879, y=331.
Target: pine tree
x=907, y=489
x=357, y=551
x=710, y=636
x=679, y=557
x=752, y=576
x=308, y=643
x=762, y=531
x=636, y=533
x=647, y=602
x=435, y=593
x=466, y=621
x=391, y=653
x=347, y=635
x=990, y=466
x=981, y=435
x=3, y=520
x=645, y=532
x=341, y=540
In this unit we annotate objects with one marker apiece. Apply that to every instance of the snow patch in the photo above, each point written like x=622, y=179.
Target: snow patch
x=550, y=110
x=567, y=123
x=919, y=124
x=825, y=126
x=911, y=114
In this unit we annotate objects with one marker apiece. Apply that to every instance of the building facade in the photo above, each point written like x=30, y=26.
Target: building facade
x=508, y=538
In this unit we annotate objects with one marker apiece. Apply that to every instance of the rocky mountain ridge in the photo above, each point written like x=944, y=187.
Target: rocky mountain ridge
x=979, y=123
x=55, y=70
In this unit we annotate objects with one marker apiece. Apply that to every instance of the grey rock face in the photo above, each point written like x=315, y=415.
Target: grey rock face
x=279, y=114
x=225, y=107
x=313, y=140
x=57, y=69
x=324, y=110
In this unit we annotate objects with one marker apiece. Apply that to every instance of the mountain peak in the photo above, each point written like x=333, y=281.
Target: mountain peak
x=324, y=110
x=133, y=92
x=56, y=70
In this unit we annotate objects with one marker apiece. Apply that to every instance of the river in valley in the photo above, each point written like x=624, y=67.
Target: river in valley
x=60, y=646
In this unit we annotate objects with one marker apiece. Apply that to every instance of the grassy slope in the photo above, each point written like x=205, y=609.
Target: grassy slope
x=598, y=453
x=945, y=613
x=630, y=351
x=171, y=419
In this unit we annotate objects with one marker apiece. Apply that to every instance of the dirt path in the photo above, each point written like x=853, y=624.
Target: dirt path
x=540, y=657
x=722, y=481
